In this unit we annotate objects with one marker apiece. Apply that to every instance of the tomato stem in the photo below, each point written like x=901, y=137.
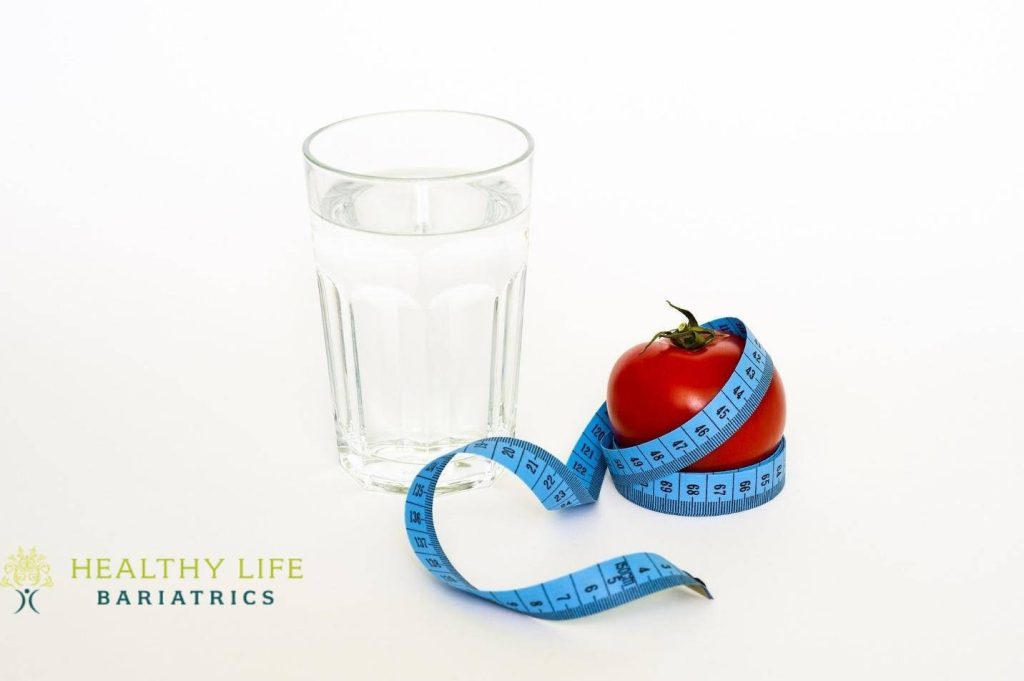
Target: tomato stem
x=689, y=335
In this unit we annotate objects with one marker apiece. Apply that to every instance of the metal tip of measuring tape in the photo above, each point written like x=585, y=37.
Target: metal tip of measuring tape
x=701, y=588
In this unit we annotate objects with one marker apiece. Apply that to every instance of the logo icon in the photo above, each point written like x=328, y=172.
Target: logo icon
x=27, y=573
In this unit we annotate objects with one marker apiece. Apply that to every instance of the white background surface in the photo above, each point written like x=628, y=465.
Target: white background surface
x=844, y=176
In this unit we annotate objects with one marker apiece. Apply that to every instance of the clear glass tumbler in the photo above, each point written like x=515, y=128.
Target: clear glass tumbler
x=420, y=237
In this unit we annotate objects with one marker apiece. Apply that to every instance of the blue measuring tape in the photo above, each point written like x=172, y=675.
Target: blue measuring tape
x=648, y=474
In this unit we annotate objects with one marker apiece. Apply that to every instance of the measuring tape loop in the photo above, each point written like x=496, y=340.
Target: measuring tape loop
x=648, y=474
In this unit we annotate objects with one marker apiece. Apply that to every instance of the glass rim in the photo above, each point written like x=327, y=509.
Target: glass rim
x=526, y=154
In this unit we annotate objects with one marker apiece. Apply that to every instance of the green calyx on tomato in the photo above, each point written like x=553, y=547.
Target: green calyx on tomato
x=689, y=335
x=656, y=387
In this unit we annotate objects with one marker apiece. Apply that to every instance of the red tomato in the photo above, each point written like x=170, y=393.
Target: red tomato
x=654, y=390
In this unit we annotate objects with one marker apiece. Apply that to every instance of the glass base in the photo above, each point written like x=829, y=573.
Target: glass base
x=391, y=467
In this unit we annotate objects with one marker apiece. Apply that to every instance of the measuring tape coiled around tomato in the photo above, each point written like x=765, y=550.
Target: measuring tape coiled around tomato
x=648, y=474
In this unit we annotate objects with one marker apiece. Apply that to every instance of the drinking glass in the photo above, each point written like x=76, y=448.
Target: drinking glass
x=420, y=239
